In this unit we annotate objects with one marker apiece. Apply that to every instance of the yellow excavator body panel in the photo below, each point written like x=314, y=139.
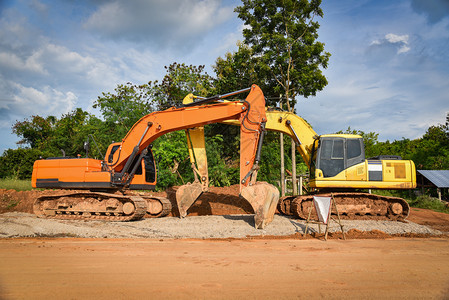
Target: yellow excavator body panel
x=375, y=174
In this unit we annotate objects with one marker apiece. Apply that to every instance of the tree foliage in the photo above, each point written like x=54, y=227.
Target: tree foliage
x=282, y=35
x=34, y=132
x=120, y=110
x=236, y=70
x=18, y=163
x=430, y=152
x=53, y=135
x=181, y=80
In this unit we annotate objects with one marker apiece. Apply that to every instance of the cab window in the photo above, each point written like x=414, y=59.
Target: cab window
x=354, y=148
x=331, y=157
x=150, y=168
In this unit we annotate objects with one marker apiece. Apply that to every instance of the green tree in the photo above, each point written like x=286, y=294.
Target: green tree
x=67, y=133
x=236, y=70
x=172, y=156
x=34, y=132
x=223, y=167
x=181, y=80
x=432, y=150
x=18, y=163
x=51, y=135
x=282, y=35
x=122, y=109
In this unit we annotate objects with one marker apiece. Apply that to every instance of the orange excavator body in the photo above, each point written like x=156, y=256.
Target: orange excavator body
x=128, y=164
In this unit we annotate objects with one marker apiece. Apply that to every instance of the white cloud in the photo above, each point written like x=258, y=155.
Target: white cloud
x=394, y=38
x=403, y=49
x=401, y=41
x=12, y=61
x=160, y=22
x=45, y=101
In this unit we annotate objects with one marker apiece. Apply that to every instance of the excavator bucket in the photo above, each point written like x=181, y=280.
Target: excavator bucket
x=264, y=198
x=186, y=195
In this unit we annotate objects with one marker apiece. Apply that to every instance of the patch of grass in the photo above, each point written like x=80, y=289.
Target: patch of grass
x=428, y=202
x=393, y=193
x=15, y=184
x=424, y=201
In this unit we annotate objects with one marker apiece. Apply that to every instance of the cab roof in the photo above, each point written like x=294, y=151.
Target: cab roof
x=346, y=136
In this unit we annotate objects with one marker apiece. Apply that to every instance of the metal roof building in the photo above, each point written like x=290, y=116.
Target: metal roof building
x=433, y=178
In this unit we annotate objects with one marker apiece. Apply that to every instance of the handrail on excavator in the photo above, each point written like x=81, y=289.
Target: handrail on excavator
x=214, y=98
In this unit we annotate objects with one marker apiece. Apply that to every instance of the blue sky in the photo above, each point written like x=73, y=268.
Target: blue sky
x=389, y=70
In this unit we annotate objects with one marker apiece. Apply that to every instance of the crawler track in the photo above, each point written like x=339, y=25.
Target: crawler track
x=157, y=207
x=284, y=205
x=91, y=206
x=352, y=206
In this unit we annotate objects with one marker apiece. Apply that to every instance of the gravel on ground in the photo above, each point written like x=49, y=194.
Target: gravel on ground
x=19, y=224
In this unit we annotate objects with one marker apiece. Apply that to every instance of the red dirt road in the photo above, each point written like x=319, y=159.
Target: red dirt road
x=395, y=268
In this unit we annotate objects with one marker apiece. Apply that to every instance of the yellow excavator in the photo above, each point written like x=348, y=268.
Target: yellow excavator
x=336, y=163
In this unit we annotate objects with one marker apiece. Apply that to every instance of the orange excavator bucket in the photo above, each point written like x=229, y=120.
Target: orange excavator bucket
x=262, y=196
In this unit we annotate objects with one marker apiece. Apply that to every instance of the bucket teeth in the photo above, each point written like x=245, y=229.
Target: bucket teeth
x=186, y=195
x=264, y=198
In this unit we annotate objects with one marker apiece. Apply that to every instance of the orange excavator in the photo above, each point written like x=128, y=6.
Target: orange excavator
x=129, y=164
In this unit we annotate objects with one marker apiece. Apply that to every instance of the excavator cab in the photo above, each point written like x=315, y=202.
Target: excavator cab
x=145, y=174
x=339, y=152
x=338, y=161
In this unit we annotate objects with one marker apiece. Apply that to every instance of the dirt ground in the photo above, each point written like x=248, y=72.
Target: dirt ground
x=369, y=265
x=396, y=268
x=218, y=201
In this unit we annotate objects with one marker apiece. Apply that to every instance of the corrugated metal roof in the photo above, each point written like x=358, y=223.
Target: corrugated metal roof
x=440, y=178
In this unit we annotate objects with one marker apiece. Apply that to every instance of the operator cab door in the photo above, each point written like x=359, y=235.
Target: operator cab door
x=335, y=154
x=145, y=176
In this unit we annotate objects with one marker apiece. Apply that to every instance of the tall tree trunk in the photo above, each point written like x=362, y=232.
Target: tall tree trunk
x=282, y=165
x=282, y=155
x=291, y=109
x=295, y=186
